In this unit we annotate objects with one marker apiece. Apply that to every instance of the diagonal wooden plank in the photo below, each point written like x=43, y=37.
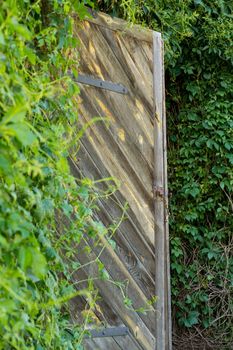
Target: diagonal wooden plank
x=141, y=84
x=119, y=159
x=119, y=168
x=127, y=342
x=133, y=250
x=119, y=25
x=118, y=271
x=101, y=344
x=110, y=293
x=107, y=61
x=130, y=226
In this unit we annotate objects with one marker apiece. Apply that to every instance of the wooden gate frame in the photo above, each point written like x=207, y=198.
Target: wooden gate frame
x=160, y=189
x=162, y=254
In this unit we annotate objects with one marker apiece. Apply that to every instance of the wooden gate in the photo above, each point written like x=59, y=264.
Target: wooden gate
x=121, y=78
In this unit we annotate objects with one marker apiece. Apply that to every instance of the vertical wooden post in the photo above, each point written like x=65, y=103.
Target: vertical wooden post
x=162, y=260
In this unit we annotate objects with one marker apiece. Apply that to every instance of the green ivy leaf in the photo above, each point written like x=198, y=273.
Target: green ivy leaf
x=23, y=133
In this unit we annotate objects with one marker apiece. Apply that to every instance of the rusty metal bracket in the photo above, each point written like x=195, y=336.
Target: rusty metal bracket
x=158, y=192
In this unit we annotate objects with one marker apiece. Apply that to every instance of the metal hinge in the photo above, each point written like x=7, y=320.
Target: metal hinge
x=102, y=84
x=108, y=332
x=158, y=191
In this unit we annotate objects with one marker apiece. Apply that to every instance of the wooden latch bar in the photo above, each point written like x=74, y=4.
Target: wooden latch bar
x=102, y=84
x=108, y=332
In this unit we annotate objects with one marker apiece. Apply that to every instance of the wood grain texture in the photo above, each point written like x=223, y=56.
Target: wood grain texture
x=127, y=342
x=125, y=144
x=126, y=147
x=121, y=26
x=115, y=343
x=101, y=344
x=113, y=297
x=162, y=273
x=90, y=165
x=122, y=148
x=166, y=226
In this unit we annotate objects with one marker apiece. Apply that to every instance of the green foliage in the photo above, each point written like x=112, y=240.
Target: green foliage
x=199, y=57
x=38, y=254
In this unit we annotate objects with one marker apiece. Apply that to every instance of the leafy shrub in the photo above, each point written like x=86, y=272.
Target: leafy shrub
x=38, y=254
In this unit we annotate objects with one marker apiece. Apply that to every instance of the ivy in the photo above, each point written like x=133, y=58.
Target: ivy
x=198, y=59
x=45, y=213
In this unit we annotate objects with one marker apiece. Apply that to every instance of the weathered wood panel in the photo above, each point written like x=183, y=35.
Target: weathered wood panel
x=112, y=296
x=163, y=322
x=127, y=342
x=122, y=27
x=101, y=344
x=115, y=343
x=125, y=144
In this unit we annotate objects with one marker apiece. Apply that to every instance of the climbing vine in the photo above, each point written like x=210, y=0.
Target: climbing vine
x=198, y=58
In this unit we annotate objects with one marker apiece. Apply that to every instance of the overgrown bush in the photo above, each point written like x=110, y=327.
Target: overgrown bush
x=38, y=129
x=199, y=55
